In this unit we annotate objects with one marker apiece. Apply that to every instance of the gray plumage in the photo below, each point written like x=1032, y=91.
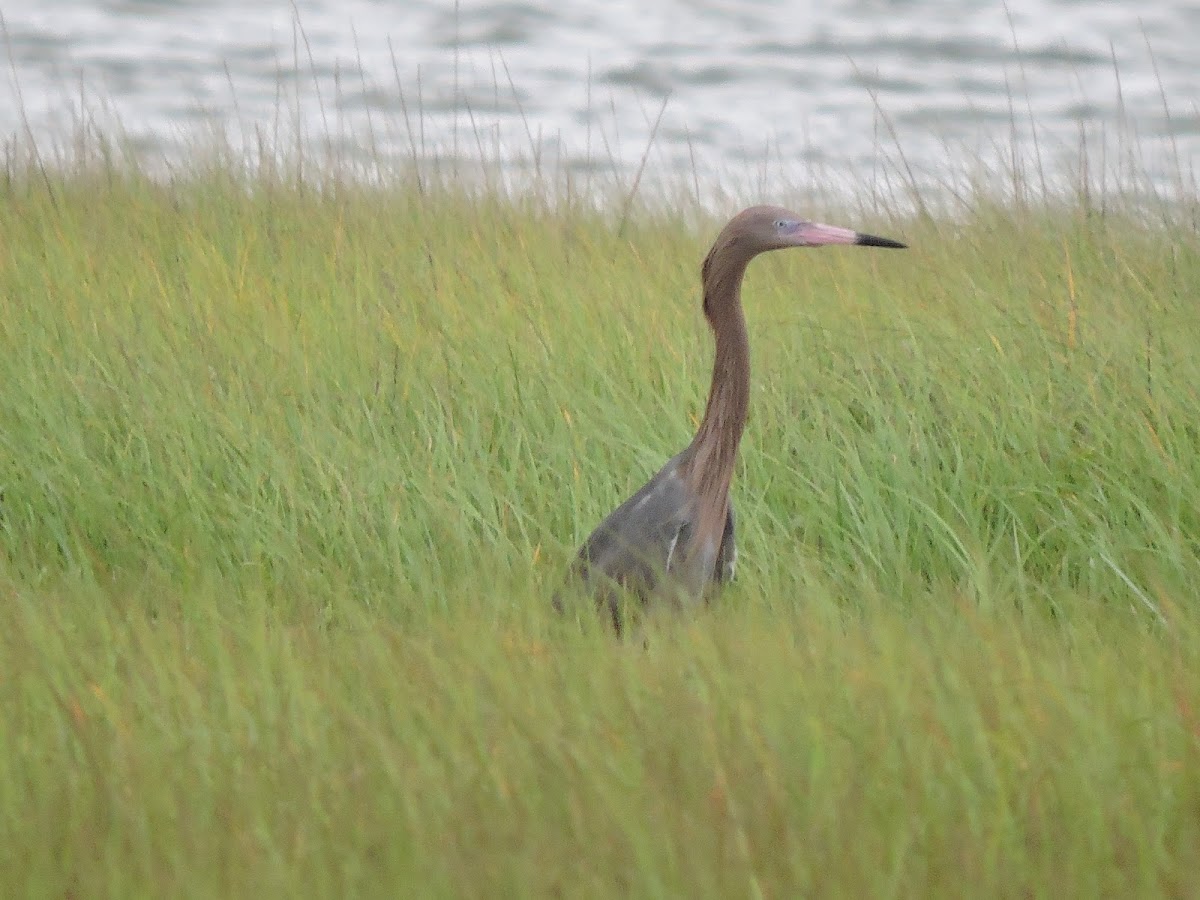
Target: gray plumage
x=675, y=536
x=649, y=539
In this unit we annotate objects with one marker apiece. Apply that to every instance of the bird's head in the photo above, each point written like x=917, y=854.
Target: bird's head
x=762, y=228
x=757, y=230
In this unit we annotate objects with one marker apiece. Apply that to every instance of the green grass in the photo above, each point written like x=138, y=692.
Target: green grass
x=290, y=470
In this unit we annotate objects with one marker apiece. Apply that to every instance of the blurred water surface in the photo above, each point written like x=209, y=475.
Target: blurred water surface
x=748, y=90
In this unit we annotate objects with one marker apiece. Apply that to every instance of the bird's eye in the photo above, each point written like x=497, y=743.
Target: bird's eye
x=781, y=223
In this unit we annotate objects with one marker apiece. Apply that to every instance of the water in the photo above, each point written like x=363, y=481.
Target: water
x=748, y=91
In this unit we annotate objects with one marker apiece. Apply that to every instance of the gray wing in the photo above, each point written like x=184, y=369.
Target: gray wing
x=727, y=553
x=643, y=537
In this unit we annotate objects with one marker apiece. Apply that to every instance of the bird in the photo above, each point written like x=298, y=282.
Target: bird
x=675, y=537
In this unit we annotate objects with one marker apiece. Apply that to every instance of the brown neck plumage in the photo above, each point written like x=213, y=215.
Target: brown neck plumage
x=713, y=452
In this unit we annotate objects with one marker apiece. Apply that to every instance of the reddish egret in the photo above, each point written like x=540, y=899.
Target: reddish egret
x=675, y=536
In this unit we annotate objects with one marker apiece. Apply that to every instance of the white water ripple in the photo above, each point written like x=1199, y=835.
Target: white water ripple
x=752, y=89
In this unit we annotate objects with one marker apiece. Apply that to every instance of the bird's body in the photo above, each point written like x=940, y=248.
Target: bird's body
x=660, y=531
x=675, y=536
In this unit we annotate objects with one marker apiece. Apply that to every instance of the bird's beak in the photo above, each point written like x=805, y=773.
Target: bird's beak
x=814, y=234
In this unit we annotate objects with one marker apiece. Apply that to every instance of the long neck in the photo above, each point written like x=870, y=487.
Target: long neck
x=713, y=452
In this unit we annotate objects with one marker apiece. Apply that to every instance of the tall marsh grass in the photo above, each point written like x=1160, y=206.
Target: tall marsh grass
x=290, y=467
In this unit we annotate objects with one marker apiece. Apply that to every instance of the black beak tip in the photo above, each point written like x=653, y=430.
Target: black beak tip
x=870, y=240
